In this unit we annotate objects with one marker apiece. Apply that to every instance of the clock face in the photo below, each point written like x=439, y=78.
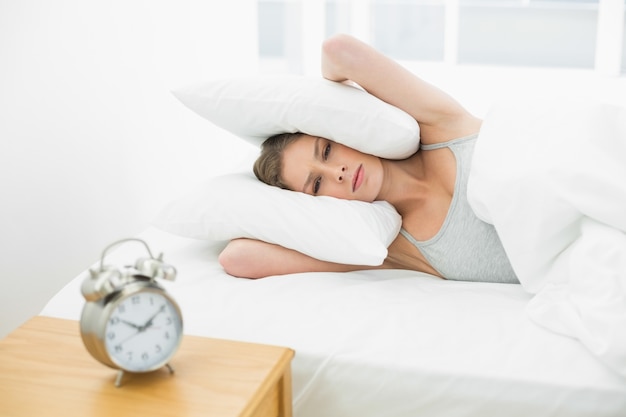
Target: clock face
x=143, y=331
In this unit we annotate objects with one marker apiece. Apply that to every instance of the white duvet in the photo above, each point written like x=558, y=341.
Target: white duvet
x=551, y=177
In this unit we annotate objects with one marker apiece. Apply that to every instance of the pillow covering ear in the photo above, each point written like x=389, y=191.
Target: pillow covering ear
x=238, y=205
x=255, y=108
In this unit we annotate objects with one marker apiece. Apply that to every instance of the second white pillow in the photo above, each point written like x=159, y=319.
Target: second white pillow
x=238, y=205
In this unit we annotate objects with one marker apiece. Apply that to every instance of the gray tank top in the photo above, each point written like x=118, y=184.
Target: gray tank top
x=465, y=248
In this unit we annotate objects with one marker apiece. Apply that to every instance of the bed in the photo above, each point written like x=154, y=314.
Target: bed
x=371, y=343
x=385, y=343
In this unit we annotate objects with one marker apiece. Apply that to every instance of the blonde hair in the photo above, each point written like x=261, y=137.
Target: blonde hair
x=268, y=166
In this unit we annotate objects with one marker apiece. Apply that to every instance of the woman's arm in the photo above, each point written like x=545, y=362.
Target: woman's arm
x=440, y=117
x=249, y=258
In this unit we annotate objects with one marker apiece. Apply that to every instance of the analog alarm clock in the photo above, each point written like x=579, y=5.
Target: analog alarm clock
x=129, y=321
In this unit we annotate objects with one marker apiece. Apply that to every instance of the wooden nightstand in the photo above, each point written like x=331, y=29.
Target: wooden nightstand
x=46, y=371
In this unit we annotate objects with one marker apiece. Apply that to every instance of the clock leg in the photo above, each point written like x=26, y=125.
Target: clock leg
x=169, y=367
x=118, y=380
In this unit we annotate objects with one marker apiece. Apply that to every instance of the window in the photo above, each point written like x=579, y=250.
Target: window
x=584, y=34
x=409, y=30
x=548, y=33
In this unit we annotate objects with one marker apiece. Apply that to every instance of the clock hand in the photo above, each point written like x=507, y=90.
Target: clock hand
x=130, y=337
x=143, y=328
x=140, y=329
x=149, y=322
x=133, y=325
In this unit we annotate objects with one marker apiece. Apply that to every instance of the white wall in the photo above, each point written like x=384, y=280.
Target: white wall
x=91, y=141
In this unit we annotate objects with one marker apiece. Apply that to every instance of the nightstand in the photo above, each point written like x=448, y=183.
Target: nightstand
x=46, y=371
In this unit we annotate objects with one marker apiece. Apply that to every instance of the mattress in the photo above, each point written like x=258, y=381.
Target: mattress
x=384, y=343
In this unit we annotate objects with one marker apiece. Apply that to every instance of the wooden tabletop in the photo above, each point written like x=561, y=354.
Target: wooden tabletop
x=46, y=371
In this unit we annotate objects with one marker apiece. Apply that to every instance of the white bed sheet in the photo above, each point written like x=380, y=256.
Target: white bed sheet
x=385, y=343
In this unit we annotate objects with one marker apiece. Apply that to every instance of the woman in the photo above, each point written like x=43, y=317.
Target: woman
x=440, y=233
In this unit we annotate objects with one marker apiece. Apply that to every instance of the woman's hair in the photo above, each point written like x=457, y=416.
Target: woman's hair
x=268, y=165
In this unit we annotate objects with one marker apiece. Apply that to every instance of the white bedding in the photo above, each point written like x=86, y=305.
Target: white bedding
x=386, y=343
x=551, y=177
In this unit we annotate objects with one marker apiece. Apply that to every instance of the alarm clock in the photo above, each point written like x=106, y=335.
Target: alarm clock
x=129, y=322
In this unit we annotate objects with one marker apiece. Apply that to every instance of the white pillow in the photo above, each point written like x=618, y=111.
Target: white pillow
x=326, y=228
x=256, y=108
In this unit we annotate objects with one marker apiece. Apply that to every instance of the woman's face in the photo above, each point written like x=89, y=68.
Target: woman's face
x=318, y=166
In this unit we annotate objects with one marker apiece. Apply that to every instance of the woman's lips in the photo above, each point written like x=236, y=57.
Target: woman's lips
x=358, y=178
